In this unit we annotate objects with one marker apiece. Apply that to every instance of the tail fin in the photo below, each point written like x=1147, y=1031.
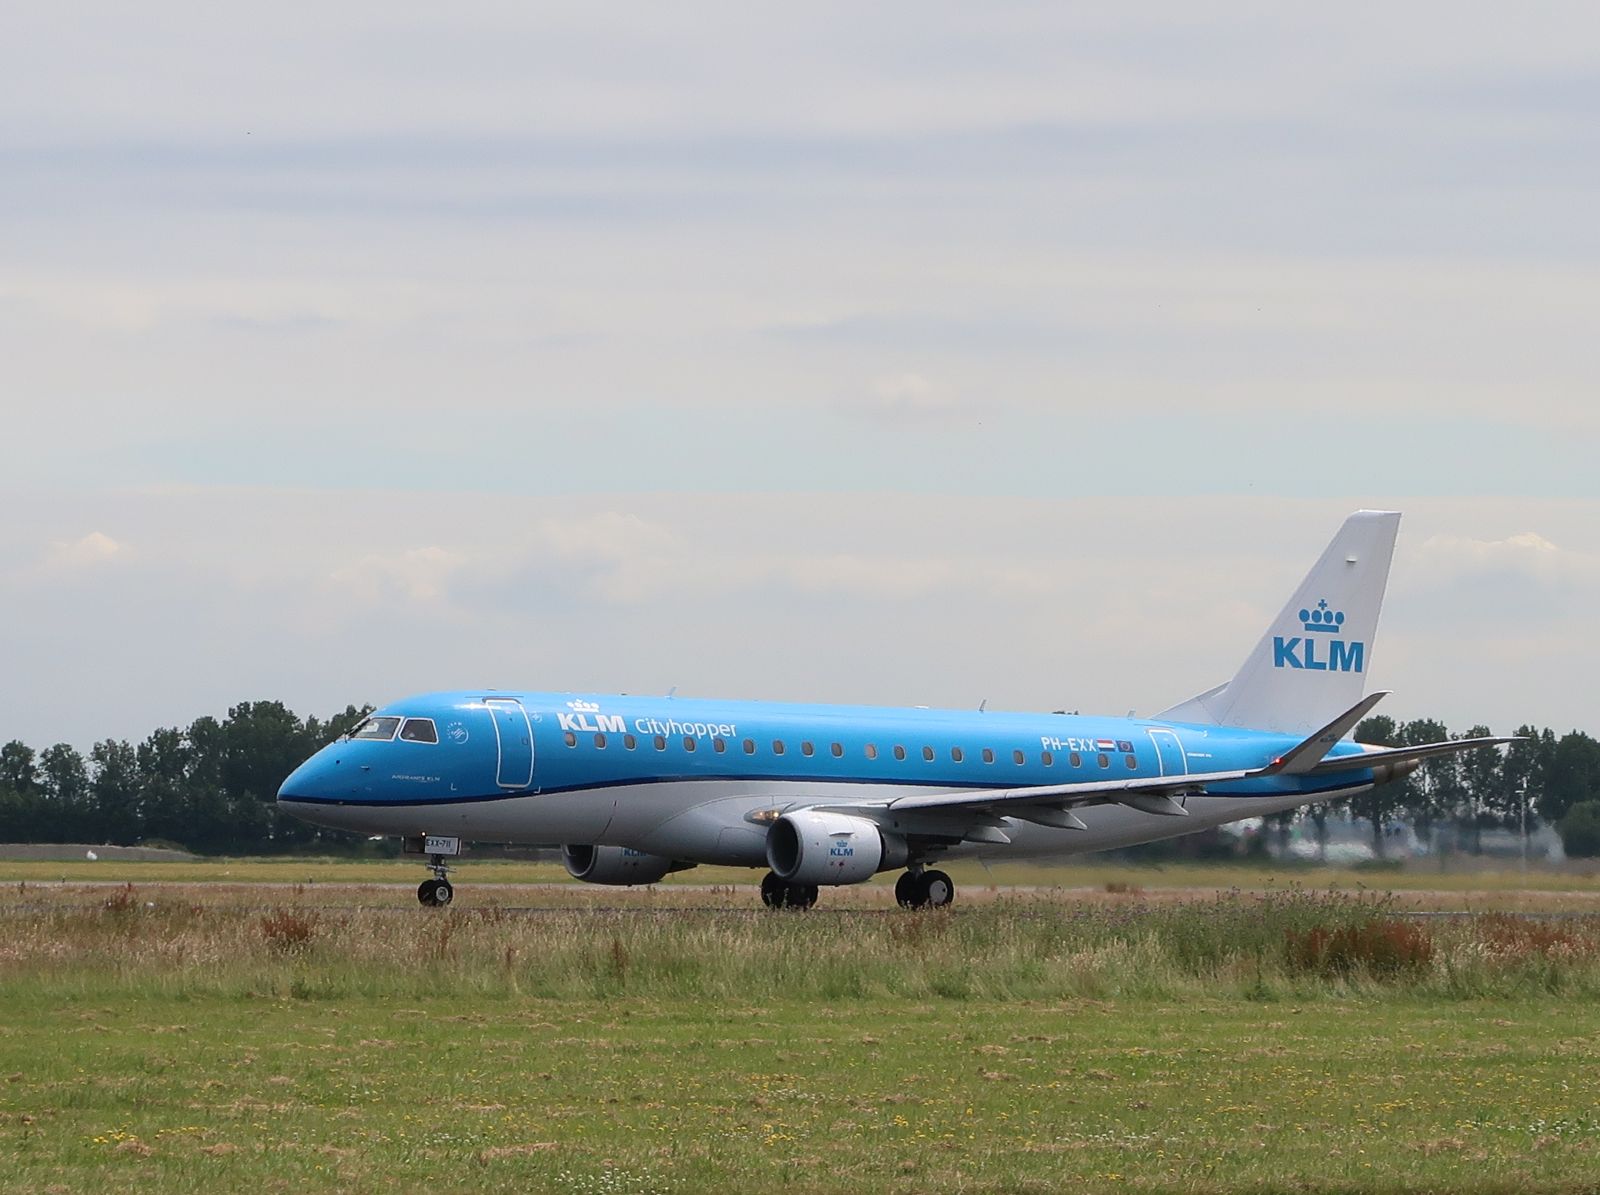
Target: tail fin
x=1311, y=664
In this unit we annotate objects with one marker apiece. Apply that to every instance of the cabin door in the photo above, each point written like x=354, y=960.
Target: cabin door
x=1169, y=750
x=515, y=737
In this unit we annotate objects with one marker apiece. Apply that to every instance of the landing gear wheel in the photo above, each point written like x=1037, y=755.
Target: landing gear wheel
x=905, y=890
x=773, y=891
x=435, y=894
x=778, y=893
x=936, y=888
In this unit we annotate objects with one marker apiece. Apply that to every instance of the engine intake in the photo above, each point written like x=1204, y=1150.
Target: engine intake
x=616, y=864
x=812, y=847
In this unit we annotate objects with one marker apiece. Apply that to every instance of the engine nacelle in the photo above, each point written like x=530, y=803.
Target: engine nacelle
x=616, y=865
x=813, y=847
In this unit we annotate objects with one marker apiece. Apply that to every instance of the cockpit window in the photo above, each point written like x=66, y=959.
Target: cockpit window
x=379, y=729
x=419, y=730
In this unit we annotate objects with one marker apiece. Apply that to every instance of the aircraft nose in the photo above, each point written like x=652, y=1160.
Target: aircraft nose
x=311, y=781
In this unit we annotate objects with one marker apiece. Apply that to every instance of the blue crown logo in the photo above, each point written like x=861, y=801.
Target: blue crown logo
x=1322, y=619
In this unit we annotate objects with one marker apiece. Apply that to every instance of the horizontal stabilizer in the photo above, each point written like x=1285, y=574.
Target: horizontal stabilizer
x=1304, y=758
x=1394, y=755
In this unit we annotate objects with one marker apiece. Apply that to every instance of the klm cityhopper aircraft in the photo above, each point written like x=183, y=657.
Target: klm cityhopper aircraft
x=825, y=794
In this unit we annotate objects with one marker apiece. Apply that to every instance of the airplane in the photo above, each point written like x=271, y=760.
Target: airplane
x=825, y=795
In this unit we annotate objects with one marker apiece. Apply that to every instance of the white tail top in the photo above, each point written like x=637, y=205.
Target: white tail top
x=1312, y=662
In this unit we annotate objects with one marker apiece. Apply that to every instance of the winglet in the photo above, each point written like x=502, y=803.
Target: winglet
x=1305, y=757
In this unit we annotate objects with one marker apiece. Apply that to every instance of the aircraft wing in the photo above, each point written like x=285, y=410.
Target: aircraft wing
x=1151, y=793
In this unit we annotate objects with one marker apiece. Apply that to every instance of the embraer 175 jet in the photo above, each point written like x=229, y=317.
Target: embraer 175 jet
x=825, y=794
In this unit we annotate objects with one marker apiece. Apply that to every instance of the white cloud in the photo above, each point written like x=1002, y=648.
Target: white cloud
x=86, y=552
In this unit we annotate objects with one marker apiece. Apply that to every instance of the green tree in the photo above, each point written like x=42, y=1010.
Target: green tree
x=1481, y=782
x=1380, y=804
x=1572, y=775
x=18, y=768
x=163, y=786
x=1434, y=790
x=1579, y=828
x=63, y=781
x=114, y=793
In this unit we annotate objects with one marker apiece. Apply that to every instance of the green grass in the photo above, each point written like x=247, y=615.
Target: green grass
x=158, y=1042
x=1460, y=876
x=636, y=1095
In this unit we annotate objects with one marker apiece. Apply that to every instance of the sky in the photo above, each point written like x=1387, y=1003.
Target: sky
x=909, y=353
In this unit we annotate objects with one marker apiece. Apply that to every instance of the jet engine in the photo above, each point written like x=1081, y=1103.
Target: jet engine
x=815, y=847
x=617, y=865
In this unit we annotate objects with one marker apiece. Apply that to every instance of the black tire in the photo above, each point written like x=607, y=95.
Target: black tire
x=774, y=892
x=908, y=892
x=426, y=891
x=938, y=889
x=443, y=894
x=802, y=896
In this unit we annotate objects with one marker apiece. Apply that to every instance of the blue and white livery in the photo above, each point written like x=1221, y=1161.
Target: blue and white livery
x=821, y=795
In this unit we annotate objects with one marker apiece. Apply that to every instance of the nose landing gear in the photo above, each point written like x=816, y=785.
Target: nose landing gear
x=923, y=889
x=437, y=892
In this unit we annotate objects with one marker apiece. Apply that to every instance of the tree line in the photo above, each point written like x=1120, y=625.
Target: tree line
x=211, y=787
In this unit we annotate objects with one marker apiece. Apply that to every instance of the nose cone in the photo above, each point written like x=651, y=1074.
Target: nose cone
x=312, y=782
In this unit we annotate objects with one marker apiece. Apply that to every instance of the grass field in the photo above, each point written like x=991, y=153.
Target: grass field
x=1579, y=880
x=156, y=1040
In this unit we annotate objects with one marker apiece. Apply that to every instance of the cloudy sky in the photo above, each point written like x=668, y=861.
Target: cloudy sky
x=906, y=352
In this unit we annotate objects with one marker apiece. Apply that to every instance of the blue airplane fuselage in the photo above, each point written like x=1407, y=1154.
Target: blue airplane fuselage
x=700, y=779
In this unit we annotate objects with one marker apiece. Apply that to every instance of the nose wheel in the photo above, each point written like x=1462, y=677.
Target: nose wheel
x=437, y=892
x=924, y=889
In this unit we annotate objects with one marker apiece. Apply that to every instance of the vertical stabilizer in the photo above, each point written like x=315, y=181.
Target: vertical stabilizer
x=1312, y=662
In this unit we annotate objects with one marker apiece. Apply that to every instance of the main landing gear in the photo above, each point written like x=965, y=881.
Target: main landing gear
x=780, y=894
x=437, y=892
x=923, y=889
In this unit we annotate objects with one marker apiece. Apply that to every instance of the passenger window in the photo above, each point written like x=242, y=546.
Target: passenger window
x=419, y=730
x=1047, y=759
x=1075, y=760
x=600, y=740
x=899, y=752
x=955, y=754
x=629, y=742
x=927, y=754
x=719, y=745
x=660, y=742
x=570, y=739
x=777, y=746
x=749, y=746
x=1016, y=757
x=837, y=749
x=1132, y=761
x=805, y=748
x=688, y=743
x=872, y=751
x=988, y=755
x=1105, y=761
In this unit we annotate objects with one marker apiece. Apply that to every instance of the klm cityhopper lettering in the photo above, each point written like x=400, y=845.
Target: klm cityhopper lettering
x=580, y=719
x=1322, y=654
